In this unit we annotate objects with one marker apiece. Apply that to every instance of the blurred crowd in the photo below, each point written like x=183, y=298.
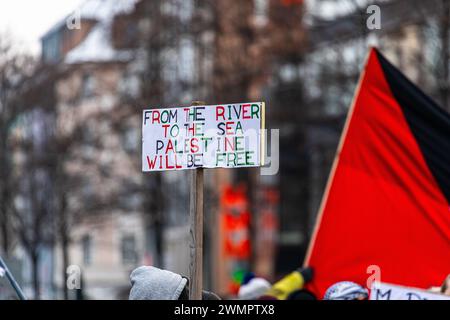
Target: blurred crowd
x=151, y=283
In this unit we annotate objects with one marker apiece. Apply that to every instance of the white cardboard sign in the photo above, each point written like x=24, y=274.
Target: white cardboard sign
x=216, y=136
x=384, y=291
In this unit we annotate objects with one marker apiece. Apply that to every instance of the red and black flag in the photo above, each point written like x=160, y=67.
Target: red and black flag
x=386, y=203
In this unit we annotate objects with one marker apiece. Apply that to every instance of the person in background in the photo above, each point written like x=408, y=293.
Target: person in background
x=252, y=288
x=151, y=283
x=346, y=290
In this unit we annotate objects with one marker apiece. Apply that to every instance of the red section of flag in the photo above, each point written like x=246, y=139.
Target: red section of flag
x=382, y=205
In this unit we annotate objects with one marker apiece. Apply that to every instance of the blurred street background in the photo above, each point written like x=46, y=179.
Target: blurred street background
x=71, y=98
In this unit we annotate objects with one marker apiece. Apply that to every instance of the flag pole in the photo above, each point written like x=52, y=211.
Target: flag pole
x=11, y=280
x=335, y=164
x=196, y=231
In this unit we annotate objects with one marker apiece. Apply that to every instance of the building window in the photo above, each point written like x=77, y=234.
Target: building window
x=87, y=85
x=87, y=188
x=131, y=139
x=51, y=44
x=261, y=9
x=186, y=60
x=86, y=243
x=129, y=254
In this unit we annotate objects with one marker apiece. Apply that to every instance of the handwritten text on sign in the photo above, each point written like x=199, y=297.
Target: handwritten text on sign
x=219, y=136
x=384, y=291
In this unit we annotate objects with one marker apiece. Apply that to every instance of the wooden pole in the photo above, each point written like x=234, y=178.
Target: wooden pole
x=196, y=231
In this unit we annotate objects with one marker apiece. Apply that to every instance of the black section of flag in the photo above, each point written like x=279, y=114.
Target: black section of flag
x=429, y=123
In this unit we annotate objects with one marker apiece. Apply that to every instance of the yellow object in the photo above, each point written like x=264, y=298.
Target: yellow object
x=283, y=288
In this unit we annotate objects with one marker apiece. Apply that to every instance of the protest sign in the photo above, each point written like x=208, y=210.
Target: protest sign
x=216, y=136
x=384, y=291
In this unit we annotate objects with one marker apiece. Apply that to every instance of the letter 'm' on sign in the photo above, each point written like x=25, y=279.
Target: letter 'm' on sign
x=215, y=136
x=380, y=295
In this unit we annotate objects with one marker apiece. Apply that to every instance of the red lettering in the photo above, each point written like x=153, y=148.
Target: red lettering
x=194, y=145
x=186, y=111
x=165, y=126
x=155, y=116
x=245, y=109
x=190, y=129
x=229, y=128
x=220, y=112
x=168, y=166
x=229, y=143
x=151, y=163
x=169, y=146
x=178, y=166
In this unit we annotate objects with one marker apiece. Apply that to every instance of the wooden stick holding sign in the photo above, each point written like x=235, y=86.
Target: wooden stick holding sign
x=196, y=231
x=198, y=137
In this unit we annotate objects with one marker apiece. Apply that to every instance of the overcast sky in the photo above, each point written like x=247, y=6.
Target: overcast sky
x=28, y=20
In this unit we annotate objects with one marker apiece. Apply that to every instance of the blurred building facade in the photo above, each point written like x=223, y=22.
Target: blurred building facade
x=100, y=181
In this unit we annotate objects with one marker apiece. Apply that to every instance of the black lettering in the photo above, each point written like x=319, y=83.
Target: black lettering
x=159, y=145
x=220, y=127
x=380, y=295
